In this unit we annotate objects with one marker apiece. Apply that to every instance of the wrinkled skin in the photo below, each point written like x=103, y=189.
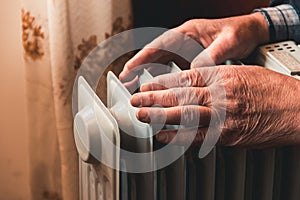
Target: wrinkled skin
x=262, y=107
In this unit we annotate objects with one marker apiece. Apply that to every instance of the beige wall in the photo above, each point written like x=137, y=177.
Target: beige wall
x=13, y=138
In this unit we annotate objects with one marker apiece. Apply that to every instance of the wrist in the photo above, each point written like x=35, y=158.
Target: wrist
x=261, y=26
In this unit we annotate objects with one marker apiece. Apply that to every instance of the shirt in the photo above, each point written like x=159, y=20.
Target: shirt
x=283, y=17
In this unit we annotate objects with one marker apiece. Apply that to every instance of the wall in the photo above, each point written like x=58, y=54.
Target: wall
x=13, y=136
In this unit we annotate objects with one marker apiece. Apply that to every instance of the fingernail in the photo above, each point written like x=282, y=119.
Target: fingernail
x=162, y=137
x=135, y=101
x=143, y=88
x=121, y=75
x=146, y=87
x=143, y=116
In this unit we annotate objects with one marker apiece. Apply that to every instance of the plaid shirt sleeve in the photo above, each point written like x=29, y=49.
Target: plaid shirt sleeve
x=283, y=21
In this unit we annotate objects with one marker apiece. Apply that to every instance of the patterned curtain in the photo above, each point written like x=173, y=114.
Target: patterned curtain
x=57, y=36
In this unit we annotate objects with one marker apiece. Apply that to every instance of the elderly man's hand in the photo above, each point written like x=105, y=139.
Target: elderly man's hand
x=228, y=38
x=262, y=107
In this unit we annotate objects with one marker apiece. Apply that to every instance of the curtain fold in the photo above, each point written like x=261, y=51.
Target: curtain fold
x=57, y=36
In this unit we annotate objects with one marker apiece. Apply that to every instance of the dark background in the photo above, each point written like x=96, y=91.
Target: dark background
x=170, y=13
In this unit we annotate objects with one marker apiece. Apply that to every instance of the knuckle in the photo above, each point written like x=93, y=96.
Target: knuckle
x=173, y=98
x=192, y=97
x=191, y=78
x=169, y=98
x=189, y=23
x=196, y=78
x=203, y=96
x=150, y=98
x=183, y=80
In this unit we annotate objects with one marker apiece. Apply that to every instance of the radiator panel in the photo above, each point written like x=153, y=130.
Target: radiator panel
x=226, y=173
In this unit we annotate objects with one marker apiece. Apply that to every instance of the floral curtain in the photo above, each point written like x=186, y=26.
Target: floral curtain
x=57, y=36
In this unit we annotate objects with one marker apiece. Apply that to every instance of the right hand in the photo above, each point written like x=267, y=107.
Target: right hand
x=243, y=106
x=228, y=38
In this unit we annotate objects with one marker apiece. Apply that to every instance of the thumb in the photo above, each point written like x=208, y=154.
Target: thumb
x=214, y=54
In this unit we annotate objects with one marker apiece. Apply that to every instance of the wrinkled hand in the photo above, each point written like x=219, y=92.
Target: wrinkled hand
x=262, y=107
x=228, y=38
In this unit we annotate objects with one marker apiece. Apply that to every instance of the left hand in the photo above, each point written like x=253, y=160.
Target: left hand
x=262, y=107
x=227, y=38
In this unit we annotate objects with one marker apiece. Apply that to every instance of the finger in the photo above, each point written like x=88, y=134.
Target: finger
x=172, y=44
x=190, y=115
x=187, y=136
x=147, y=55
x=172, y=97
x=132, y=85
x=155, y=67
x=214, y=54
x=127, y=75
x=152, y=87
x=188, y=78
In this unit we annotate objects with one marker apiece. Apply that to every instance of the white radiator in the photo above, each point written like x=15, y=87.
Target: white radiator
x=226, y=173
